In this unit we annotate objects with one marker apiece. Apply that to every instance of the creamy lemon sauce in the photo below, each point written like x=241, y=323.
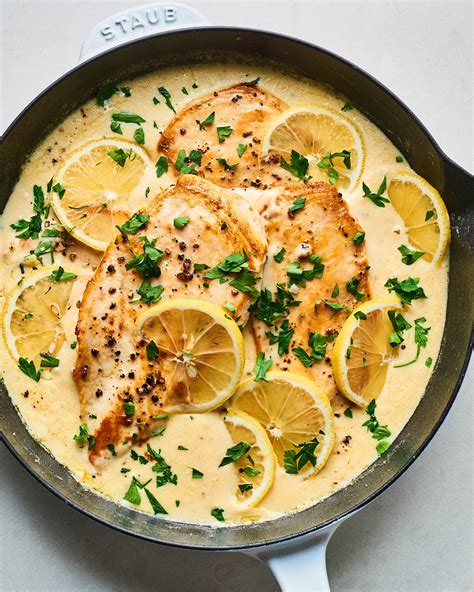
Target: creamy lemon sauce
x=50, y=408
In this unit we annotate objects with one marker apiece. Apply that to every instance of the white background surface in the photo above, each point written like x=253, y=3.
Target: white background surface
x=415, y=537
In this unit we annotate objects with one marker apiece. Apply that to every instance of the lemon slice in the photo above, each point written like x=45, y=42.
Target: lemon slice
x=201, y=352
x=423, y=212
x=256, y=468
x=362, y=353
x=293, y=411
x=98, y=190
x=314, y=132
x=32, y=315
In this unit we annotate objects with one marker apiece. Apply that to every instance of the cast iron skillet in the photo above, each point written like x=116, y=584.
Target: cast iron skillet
x=414, y=142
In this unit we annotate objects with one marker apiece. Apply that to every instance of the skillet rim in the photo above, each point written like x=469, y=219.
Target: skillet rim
x=313, y=530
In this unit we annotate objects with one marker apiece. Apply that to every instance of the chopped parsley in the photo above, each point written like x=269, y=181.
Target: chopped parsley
x=48, y=361
x=347, y=107
x=261, y=367
x=133, y=494
x=166, y=95
x=241, y=148
x=120, y=156
x=245, y=487
x=235, y=263
x=59, y=189
x=126, y=117
x=400, y=325
x=226, y=165
x=360, y=316
x=235, y=453
x=181, y=221
x=84, y=438
x=32, y=227
x=180, y=447
x=105, y=92
x=358, y=237
x=111, y=449
x=206, y=122
x=59, y=275
x=398, y=159
x=429, y=214
x=73, y=345
x=28, y=367
x=139, y=136
x=280, y=255
x=348, y=412
x=407, y=290
x=184, y=90
x=129, y=408
x=147, y=262
x=409, y=256
x=155, y=504
x=421, y=340
x=429, y=362
x=253, y=82
x=352, y=286
x=186, y=164
x=197, y=474
x=298, y=204
x=318, y=345
x=377, y=198
x=134, y=224
x=300, y=276
x=116, y=127
x=218, y=514
x=295, y=460
x=161, y=167
x=378, y=432
x=298, y=165
x=223, y=132
x=148, y=293
x=250, y=471
x=165, y=475
x=327, y=164
x=271, y=308
x=283, y=338
x=335, y=291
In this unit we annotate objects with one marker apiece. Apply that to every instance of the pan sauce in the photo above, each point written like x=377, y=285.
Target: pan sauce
x=50, y=408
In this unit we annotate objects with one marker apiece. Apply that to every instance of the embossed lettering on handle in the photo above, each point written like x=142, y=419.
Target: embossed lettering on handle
x=138, y=22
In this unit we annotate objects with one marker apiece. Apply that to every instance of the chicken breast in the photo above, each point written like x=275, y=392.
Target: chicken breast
x=112, y=367
x=311, y=286
x=220, y=135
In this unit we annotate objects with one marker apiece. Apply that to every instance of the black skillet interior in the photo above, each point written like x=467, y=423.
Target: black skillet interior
x=402, y=128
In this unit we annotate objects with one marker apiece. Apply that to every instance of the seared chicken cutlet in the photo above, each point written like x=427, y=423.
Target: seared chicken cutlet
x=226, y=129
x=112, y=366
x=314, y=276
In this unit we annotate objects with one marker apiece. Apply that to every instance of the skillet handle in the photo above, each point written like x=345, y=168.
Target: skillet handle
x=300, y=566
x=140, y=21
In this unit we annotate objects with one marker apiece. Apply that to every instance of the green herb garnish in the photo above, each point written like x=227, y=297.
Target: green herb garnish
x=84, y=438
x=407, y=290
x=409, y=256
x=298, y=165
x=206, y=122
x=166, y=95
x=181, y=221
x=261, y=367
x=28, y=367
x=295, y=460
x=235, y=453
x=376, y=198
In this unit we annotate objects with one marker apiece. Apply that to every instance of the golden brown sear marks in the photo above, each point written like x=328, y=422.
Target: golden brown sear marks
x=112, y=367
x=323, y=228
x=245, y=111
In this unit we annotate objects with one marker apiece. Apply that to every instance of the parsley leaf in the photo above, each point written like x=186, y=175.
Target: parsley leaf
x=253, y=82
x=245, y=487
x=28, y=228
x=129, y=408
x=165, y=475
x=155, y=504
x=166, y=95
x=409, y=256
x=84, y=438
x=148, y=293
x=261, y=367
x=235, y=453
x=197, y=474
x=298, y=166
x=223, y=132
x=348, y=412
x=206, y=122
x=300, y=276
x=347, y=107
x=181, y=221
x=280, y=255
x=146, y=262
x=303, y=357
x=126, y=117
x=226, y=165
x=133, y=495
x=161, y=167
x=59, y=275
x=298, y=204
x=352, y=287
x=139, y=136
x=327, y=163
x=421, y=340
x=186, y=165
x=378, y=432
x=120, y=156
x=28, y=367
x=358, y=238
x=376, y=198
x=48, y=361
x=407, y=290
x=270, y=308
x=429, y=214
x=133, y=224
x=295, y=460
x=335, y=291
x=283, y=338
x=218, y=514
x=241, y=148
x=400, y=325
